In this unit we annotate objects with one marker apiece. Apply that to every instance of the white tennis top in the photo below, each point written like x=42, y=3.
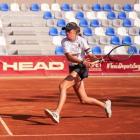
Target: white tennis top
x=77, y=48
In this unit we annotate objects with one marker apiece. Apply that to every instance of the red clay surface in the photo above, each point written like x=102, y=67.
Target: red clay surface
x=23, y=101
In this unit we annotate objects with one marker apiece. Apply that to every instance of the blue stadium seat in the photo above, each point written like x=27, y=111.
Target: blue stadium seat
x=61, y=23
x=122, y=15
x=83, y=23
x=35, y=7
x=95, y=23
x=130, y=50
x=4, y=7
x=107, y=7
x=79, y=15
x=115, y=40
x=96, y=7
x=87, y=31
x=66, y=7
x=53, y=31
x=96, y=50
x=110, y=31
x=127, y=40
x=127, y=23
x=59, y=50
x=111, y=15
x=47, y=15
x=63, y=32
x=127, y=7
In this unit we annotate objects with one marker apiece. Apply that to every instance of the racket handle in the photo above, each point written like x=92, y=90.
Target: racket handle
x=95, y=62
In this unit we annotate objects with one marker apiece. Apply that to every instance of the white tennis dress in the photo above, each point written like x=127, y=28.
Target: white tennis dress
x=77, y=48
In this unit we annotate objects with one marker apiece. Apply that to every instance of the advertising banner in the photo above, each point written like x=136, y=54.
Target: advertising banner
x=58, y=66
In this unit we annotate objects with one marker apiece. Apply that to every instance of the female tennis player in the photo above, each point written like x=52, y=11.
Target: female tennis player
x=75, y=47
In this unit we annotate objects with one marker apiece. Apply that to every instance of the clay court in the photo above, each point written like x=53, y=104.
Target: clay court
x=23, y=101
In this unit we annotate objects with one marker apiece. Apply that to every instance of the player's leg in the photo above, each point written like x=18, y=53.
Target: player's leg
x=80, y=91
x=69, y=81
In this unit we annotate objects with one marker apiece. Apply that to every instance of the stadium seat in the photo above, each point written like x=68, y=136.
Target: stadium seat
x=97, y=7
x=107, y=49
x=2, y=40
x=35, y=7
x=129, y=51
x=122, y=31
x=133, y=15
x=105, y=23
x=57, y=40
x=110, y=31
x=79, y=15
x=101, y=15
x=14, y=7
x=76, y=7
x=116, y=23
x=92, y=40
x=87, y=31
x=96, y=50
x=61, y=23
x=63, y=32
x=83, y=22
x=137, y=7
x=137, y=22
x=122, y=15
x=53, y=31
x=118, y=7
x=3, y=51
x=47, y=15
x=66, y=7
x=133, y=31
x=1, y=32
x=55, y=7
x=121, y=50
x=1, y=25
x=127, y=23
x=111, y=15
x=107, y=7
x=25, y=7
x=137, y=40
x=73, y=20
x=91, y=15
x=127, y=7
x=99, y=31
x=104, y=40
x=95, y=23
x=86, y=7
x=127, y=40
x=69, y=15
x=50, y=23
x=4, y=7
x=45, y=7
x=115, y=40
x=58, y=15
x=59, y=50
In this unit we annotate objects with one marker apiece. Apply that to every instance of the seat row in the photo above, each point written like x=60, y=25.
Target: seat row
x=97, y=50
x=67, y=7
x=91, y=15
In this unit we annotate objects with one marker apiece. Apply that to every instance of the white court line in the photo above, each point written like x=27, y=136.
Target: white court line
x=95, y=134
x=6, y=127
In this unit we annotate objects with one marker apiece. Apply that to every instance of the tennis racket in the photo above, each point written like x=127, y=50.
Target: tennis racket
x=112, y=55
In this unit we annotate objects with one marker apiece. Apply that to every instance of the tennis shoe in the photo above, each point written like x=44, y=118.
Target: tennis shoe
x=53, y=115
x=107, y=108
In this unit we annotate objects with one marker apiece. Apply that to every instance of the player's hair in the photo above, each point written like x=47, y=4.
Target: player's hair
x=77, y=30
